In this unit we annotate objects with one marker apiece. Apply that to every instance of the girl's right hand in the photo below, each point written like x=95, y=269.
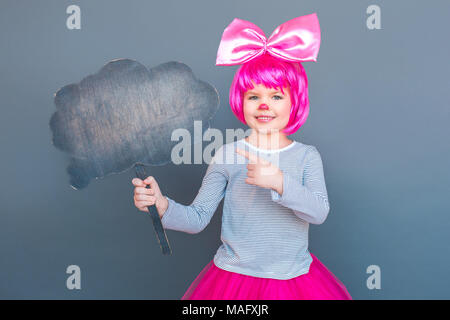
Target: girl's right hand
x=144, y=197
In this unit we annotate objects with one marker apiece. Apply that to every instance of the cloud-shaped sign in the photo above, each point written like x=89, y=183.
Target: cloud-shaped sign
x=123, y=117
x=125, y=114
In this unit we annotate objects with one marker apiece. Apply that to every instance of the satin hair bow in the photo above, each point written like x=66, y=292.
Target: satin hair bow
x=296, y=40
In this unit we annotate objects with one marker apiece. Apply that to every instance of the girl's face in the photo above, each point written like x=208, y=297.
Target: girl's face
x=266, y=108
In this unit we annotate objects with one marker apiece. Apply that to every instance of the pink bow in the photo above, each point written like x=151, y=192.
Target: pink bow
x=296, y=40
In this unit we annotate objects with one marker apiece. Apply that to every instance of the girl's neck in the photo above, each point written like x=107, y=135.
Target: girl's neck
x=268, y=141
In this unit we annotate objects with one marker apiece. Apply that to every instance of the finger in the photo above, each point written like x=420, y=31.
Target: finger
x=143, y=197
x=250, y=174
x=142, y=190
x=145, y=203
x=148, y=202
x=251, y=157
x=138, y=182
x=153, y=184
x=254, y=159
x=250, y=181
x=144, y=207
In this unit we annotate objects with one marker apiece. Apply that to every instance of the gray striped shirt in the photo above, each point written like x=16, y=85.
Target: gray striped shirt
x=263, y=234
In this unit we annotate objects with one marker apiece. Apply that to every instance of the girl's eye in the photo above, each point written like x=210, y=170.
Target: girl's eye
x=252, y=98
x=277, y=97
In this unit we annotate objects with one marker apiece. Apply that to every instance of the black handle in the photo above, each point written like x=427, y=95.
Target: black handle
x=157, y=225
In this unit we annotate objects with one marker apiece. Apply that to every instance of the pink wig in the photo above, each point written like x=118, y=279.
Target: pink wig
x=273, y=73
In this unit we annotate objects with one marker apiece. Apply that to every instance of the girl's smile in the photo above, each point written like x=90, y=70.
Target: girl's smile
x=264, y=117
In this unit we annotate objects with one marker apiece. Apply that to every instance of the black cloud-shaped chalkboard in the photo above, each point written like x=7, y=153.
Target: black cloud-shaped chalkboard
x=125, y=114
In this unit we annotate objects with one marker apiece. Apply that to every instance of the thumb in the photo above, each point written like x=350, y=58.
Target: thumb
x=153, y=184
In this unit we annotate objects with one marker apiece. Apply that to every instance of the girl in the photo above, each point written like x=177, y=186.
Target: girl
x=276, y=189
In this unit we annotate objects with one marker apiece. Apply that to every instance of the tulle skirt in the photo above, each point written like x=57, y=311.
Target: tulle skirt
x=214, y=283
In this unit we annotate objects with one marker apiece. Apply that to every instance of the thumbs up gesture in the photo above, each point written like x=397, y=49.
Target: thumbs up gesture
x=262, y=173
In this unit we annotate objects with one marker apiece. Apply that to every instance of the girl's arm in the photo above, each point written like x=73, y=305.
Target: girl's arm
x=195, y=217
x=308, y=200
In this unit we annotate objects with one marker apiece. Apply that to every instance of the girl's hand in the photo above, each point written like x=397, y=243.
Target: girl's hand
x=144, y=197
x=262, y=172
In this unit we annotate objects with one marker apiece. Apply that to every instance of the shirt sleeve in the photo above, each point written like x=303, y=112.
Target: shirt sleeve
x=308, y=198
x=195, y=217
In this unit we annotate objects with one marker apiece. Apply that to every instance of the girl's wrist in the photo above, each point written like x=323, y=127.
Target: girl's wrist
x=278, y=185
x=163, y=206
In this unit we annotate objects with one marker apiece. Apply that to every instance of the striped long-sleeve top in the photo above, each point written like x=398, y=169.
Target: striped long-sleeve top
x=264, y=234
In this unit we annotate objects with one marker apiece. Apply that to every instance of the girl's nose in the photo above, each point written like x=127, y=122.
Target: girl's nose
x=263, y=106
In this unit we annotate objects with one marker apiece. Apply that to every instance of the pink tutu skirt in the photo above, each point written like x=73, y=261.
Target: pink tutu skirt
x=214, y=283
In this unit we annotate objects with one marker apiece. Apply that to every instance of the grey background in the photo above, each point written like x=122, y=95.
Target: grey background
x=379, y=117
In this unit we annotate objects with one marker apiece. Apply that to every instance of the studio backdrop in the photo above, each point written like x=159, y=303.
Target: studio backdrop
x=379, y=113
